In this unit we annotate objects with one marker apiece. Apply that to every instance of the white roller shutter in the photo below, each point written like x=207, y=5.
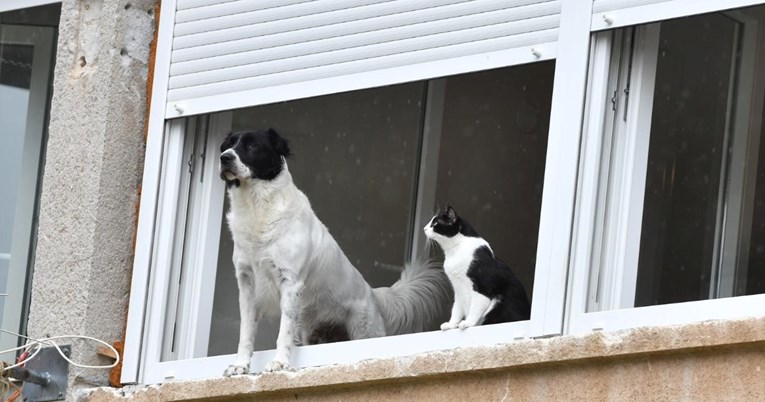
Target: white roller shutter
x=609, y=14
x=237, y=53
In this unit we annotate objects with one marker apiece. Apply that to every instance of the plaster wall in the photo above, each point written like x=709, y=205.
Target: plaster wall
x=92, y=175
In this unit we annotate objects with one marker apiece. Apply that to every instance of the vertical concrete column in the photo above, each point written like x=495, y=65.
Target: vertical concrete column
x=92, y=173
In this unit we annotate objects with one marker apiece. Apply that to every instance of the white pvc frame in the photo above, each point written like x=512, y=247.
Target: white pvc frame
x=662, y=10
x=557, y=246
x=606, y=302
x=149, y=299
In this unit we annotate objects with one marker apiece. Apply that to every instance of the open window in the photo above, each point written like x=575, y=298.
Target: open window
x=671, y=199
x=376, y=164
x=392, y=109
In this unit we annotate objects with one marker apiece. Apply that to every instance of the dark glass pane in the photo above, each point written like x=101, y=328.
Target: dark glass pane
x=492, y=157
x=355, y=159
x=685, y=161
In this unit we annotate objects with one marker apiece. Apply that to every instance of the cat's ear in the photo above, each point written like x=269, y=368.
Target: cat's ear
x=451, y=214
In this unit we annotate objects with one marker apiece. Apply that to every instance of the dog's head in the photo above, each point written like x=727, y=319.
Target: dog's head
x=257, y=154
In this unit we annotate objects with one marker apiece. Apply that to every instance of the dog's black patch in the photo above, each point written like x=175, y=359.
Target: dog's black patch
x=259, y=150
x=328, y=333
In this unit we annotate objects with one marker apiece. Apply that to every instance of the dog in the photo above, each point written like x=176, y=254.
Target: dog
x=288, y=265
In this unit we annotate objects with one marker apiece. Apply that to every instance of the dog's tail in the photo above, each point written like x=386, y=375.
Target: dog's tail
x=417, y=302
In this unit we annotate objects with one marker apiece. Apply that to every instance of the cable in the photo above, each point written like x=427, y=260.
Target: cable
x=37, y=345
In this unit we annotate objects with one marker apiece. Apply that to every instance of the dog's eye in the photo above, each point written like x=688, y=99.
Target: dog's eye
x=251, y=145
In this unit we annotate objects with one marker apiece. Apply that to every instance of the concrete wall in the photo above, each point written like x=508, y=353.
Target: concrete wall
x=92, y=175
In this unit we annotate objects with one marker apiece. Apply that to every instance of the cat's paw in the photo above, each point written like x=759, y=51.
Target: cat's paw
x=464, y=324
x=236, y=369
x=446, y=326
x=276, y=365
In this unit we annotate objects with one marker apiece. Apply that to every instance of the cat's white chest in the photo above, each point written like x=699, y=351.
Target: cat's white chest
x=457, y=265
x=458, y=258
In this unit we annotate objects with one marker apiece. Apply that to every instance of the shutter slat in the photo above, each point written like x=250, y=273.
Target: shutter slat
x=184, y=4
x=280, y=33
x=272, y=14
x=246, y=46
x=230, y=8
x=299, y=17
x=285, y=58
x=358, y=66
x=280, y=47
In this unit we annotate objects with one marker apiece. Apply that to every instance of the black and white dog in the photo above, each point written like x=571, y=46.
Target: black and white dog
x=287, y=263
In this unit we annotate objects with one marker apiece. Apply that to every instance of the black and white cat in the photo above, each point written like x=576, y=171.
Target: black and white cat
x=486, y=291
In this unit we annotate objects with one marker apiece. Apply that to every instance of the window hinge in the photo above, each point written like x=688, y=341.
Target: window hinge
x=626, y=101
x=614, y=100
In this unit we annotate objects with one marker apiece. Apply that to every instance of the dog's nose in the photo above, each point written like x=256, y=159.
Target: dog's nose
x=226, y=158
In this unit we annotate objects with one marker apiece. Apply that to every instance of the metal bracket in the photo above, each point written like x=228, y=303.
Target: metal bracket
x=48, y=362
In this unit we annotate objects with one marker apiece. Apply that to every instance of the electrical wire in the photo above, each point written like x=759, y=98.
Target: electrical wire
x=38, y=344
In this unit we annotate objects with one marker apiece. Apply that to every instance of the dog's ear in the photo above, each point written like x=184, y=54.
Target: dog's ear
x=226, y=142
x=280, y=144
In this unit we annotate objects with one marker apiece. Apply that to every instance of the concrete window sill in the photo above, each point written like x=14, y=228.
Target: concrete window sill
x=694, y=338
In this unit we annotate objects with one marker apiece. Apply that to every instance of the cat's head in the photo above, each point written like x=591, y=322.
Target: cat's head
x=444, y=225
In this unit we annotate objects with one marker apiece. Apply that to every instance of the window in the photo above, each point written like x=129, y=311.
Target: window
x=376, y=164
x=675, y=120
x=359, y=155
x=27, y=50
x=623, y=180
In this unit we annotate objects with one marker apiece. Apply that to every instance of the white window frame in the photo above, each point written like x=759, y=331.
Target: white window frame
x=577, y=149
x=146, y=317
x=610, y=197
x=41, y=39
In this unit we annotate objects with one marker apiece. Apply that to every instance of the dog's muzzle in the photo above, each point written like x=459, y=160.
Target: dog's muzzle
x=226, y=171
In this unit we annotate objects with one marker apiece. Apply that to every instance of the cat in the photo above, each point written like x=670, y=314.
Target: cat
x=486, y=291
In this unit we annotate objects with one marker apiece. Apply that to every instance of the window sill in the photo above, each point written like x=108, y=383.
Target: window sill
x=557, y=350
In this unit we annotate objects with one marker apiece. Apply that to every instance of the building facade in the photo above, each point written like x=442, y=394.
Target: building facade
x=609, y=151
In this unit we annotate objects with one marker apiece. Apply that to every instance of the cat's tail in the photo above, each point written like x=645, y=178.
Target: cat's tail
x=419, y=301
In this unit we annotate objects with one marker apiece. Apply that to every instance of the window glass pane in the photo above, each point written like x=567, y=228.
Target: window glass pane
x=755, y=253
x=685, y=160
x=360, y=159
x=355, y=158
x=701, y=235
x=27, y=43
x=492, y=157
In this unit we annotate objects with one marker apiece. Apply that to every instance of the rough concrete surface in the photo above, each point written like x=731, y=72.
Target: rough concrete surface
x=93, y=169
x=710, y=361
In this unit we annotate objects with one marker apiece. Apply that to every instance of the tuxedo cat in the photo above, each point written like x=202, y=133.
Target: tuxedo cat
x=485, y=289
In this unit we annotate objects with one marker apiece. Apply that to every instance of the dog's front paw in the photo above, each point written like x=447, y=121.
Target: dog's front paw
x=237, y=369
x=276, y=365
x=446, y=326
x=464, y=324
